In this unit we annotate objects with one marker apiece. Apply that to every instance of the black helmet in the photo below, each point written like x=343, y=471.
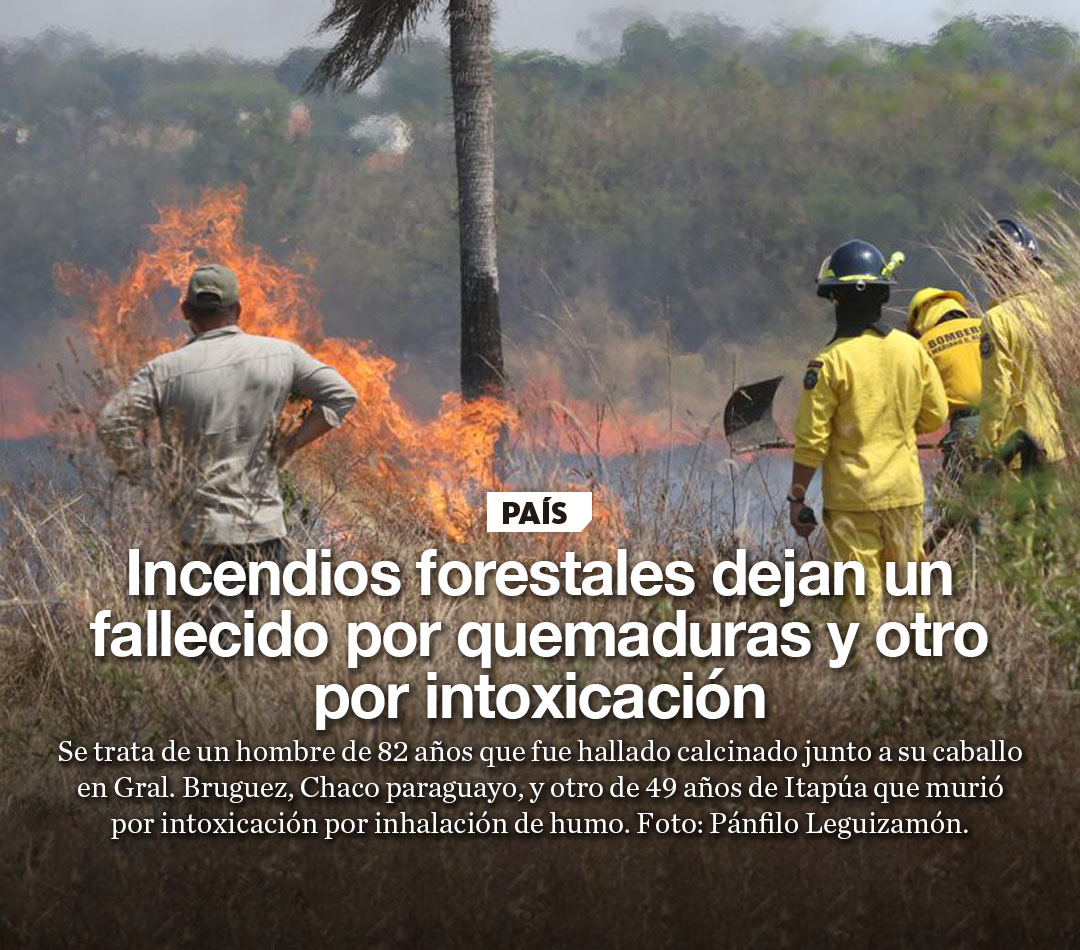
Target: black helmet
x=856, y=264
x=1008, y=231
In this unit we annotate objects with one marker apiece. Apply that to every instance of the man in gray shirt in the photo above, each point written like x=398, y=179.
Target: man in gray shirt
x=218, y=400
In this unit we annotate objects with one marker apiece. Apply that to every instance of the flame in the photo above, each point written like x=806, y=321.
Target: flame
x=552, y=418
x=22, y=405
x=386, y=458
x=434, y=469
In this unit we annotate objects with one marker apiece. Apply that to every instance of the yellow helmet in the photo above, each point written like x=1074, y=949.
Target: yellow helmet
x=924, y=296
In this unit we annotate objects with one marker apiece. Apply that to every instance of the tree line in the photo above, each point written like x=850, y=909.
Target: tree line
x=694, y=180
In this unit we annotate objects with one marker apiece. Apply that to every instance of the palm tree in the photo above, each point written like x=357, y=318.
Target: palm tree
x=370, y=30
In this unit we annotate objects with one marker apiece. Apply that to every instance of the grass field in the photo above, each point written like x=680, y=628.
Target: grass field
x=1011, y=881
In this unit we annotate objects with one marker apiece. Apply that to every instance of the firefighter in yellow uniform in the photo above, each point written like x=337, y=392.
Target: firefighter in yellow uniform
x=1019, y=423
x=939, y=320
x=865, y=397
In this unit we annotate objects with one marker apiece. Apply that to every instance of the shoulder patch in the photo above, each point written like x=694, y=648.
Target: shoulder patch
x=986, y=345
x=810, y=380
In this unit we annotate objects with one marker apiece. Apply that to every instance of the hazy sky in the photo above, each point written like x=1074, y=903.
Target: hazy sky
x=269, y=27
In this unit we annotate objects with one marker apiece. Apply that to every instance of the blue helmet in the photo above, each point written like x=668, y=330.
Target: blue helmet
x=1009, y=231
x=856, y=264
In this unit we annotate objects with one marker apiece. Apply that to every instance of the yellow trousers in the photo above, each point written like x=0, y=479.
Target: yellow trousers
x=874, y=538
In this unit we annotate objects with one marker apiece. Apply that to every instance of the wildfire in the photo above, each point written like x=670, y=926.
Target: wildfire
x=553, y=419
x=433, y=469
x=21, y=406
x=386, y=458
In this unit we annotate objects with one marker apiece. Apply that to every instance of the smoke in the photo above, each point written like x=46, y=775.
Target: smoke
x=250, y=28
x=268, y=28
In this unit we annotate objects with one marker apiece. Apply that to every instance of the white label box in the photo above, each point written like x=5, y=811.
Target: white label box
x=538, y=511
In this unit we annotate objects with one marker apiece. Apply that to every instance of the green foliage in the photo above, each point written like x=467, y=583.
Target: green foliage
x=697, y=176
x=297, y=66
x=1029, y=527
x=416, y=81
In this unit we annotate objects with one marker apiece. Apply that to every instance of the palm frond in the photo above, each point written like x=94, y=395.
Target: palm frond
x=371, y=30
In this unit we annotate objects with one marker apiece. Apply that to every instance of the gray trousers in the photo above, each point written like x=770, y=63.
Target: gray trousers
x=215, y=608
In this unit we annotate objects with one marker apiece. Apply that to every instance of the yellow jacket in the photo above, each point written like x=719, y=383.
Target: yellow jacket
x=953, y=345
x=1017, y=390
x=864, y=399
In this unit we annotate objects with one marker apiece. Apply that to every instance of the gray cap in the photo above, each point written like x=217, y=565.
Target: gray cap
x=212, y=287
